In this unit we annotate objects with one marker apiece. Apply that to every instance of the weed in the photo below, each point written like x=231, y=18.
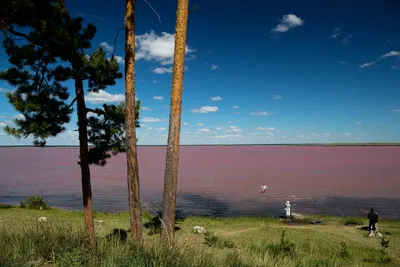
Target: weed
x=344, y=250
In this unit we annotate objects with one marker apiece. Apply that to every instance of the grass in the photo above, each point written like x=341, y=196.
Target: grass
x=244, y=241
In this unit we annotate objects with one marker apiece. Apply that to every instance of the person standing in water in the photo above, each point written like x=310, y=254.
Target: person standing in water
x=287, y=209
x=263, y=188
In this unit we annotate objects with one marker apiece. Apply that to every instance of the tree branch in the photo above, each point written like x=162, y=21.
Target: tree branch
x=73, y=101
x=159, y=18
x=94, y=111
x=115, y=40
x=195, y=6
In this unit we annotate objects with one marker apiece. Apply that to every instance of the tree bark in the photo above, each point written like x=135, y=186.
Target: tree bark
x=130, y=124
x=172, y=156
x=84, y=161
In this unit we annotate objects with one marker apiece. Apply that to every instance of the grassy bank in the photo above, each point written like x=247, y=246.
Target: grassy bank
x=247, y=241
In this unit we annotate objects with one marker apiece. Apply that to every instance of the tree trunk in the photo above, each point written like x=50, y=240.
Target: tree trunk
x=130, y=124
x=172, y=157
x=84, y=162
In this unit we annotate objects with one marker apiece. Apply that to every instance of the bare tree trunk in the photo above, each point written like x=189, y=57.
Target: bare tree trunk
x=84, y=162
x=172, y=157
x=130, y=124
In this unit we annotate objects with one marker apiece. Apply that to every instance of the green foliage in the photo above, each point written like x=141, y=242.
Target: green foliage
x=5, y=206
x=51, y=53
x=353, y=221
x=106, y=132
x=344, y=250
x=212, y=240
x=384, y=246
x=35, y=202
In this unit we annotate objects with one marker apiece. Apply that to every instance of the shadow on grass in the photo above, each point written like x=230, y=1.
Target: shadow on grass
x=154, y=222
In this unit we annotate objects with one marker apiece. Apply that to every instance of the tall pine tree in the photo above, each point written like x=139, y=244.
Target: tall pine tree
x=46, y=48
x=131, y=109
x=172, y=157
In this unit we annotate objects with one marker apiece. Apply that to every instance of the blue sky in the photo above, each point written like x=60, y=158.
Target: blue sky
x=257, y=71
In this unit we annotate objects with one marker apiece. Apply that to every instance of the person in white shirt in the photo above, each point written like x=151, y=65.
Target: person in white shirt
x=287, y=209
x=263, y=188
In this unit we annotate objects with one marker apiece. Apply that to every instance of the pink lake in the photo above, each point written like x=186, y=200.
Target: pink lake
x=218, y=180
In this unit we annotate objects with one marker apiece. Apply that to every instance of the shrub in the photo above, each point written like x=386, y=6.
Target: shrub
x=35, y=202
x=5, y=206
x=212, y=240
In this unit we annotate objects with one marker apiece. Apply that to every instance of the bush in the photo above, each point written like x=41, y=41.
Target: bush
x=5, y=206
x=35, y=203
x=212, y=240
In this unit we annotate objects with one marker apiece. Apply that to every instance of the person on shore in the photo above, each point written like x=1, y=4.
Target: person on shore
x=287, y=209
x=264, y=187
x=373, y=220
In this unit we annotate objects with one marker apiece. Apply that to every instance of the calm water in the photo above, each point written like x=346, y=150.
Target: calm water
x=218, y=181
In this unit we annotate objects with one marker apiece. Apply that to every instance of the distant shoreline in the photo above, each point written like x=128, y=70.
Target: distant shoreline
x=208, y=145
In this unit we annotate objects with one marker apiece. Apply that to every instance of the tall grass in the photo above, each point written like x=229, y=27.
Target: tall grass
x=58, y=244
x=62, y=243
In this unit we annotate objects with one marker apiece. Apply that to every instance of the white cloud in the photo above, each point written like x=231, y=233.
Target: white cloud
x=343, y=62
x=366, y=65
x=107, y=48
x=203, y=130
x=161, y=70
x=165, y=106
x=154, y=47
x=215, y=98
x=144, y=108
x=2, y=124
x=152, y=119
x=205, y=109
x=91, y=114
x=276, y=97
x=19, y=117
x=185, y=123
x=336, y=33
x=161, y=129
x=227, y=136
x=261, y=113
x=4, y=90
x=234, y=129
x=200, y=124
x=214, y=67
x=346, y=39
x=103, y=97
x=395, y=111
x=358, y=122
x=265, y=129
x=391, y=54
x=120, y=60
x=288, y=22
x=235, y=107
x=157, y=97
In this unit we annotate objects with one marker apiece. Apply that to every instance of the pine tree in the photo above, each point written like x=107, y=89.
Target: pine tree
x=131, y=109
x=46, y=48
x=172, y=157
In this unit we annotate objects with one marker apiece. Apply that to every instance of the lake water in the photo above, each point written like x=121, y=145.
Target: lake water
x=218, y=180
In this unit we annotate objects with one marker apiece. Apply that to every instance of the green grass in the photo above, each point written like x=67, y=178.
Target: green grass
x=244, y=241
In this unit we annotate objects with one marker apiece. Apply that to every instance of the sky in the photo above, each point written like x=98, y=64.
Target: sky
x=256, y=72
